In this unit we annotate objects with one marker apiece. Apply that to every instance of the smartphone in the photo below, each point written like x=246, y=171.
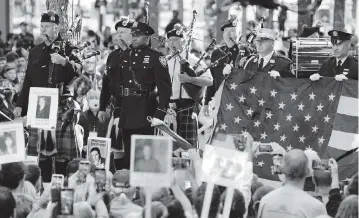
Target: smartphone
x=67, y=201
x=277, y=164
x=57, y=181
x=100, y=179
x=265, y=147
x=55, y=195
x=239, y=141
x=322, y=164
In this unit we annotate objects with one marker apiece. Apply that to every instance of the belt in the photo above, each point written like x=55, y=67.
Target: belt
x=182, y=103
x=124, y=92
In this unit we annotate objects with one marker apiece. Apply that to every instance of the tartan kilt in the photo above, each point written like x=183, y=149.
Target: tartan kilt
x=186, y=126
x=65, y=141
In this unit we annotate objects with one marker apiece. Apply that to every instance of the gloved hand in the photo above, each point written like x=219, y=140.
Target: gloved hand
x=315, y=77
x=227, y=69
x=340, y=77
x=274, y=74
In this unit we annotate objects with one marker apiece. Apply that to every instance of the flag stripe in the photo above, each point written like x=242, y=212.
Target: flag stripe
x=346, y=123
x=348, y=166
x=348, y=106
x=343, y=141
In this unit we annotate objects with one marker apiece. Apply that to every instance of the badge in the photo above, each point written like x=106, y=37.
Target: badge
x=335, y=33
x=272, y=61
x=163, y=61
x=255, y=60
x=124, y=23
x=234, y=23
x=135, y=24
x=146, y=60
x=52, y=18
x=345, y=71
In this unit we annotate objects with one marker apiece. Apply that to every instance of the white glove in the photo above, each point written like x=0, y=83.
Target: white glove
x=157, y=122
x=274, y=74
x=227, y=69
x=315, y=77
x=340, y=77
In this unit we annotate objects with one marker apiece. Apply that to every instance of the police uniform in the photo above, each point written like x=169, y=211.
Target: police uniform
x=217, y=71
x=41, y=72
x=140, y=73
x=347, y=66
x=108, y=85
x=181, y=104
x=271, y=62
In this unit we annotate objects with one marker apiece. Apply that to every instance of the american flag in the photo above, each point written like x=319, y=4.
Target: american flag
x=295, y=113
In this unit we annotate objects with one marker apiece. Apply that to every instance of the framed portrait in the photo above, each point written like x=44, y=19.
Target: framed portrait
x=98, y=152
x=151, y=161
x=42, y=108
x=12, y=142
x=223, y=166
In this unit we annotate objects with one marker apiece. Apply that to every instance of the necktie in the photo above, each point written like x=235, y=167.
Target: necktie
x=260, y=66
x=339, y=64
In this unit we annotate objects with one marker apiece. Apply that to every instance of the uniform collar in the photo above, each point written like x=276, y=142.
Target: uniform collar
x=341, y=59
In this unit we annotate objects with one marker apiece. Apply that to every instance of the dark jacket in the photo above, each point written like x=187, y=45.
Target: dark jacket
x=148, y=68
x=217, y=71
x=38, y=72
x=335, y=198
x=350, y=66
x=91, y=123
x=277, y=63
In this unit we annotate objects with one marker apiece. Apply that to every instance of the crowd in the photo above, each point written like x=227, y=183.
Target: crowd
x=22, y=193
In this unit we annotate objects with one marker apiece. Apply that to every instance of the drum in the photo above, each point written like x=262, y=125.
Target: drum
x=308, y=54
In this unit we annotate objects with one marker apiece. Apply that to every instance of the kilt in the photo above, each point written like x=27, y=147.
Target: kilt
x=186, y=126
x=65, y=140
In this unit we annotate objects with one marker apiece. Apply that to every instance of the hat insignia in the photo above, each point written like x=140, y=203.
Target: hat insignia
x=124, y=23
x=234, y=23
x=178, y=32
x=135, y=24
x=52, y=18
x=335, y=33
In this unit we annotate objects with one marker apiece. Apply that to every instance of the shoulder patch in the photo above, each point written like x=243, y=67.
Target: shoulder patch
x=163, y=61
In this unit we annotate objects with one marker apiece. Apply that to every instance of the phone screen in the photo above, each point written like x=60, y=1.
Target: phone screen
x=277, y=164
x=185, y=155
x=265, y=148
x=57, y=181
x=67, y=201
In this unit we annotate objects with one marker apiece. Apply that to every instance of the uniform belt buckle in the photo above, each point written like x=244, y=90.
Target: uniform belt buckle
x=126, y=92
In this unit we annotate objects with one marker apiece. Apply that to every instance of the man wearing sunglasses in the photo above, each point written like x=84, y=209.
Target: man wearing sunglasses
x=341, y=66
x=267, y=61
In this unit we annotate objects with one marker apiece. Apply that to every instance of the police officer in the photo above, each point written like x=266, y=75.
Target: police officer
x=230, y=36
x=142, y=70
x=46, y=68
x=267, y=61
x=341, y=66
x=123, y=29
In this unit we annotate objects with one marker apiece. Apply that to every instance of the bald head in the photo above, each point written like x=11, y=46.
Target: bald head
x=295, y=165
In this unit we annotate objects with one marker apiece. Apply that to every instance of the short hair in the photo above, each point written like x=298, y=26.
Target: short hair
x=33, y=173
x=23, y=205
x=353, y=185
x=199, y=197
x=348, y=207
x=73, y=166
x=11, y=56
x=238, y=208
x=295, y=165
x=158, y=210
x=11, y=174
x=7, y=203
x=322, y=178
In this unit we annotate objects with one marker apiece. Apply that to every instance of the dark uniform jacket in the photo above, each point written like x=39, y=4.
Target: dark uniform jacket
x=90, y=123
x=108, y=86
x=38, y=72
x=349, y=68
x=149, y=69
x=276, y=63
x=217, y=71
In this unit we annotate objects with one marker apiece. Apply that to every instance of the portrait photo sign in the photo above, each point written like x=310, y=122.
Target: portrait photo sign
x=12, y=142
x=223, y=166
x=151, y=161
x=42, y=108
x=98, y=152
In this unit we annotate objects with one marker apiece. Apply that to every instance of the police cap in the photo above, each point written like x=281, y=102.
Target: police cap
x=51, y=17
x=337, y=37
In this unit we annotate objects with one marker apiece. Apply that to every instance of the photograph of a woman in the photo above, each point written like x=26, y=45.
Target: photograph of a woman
x=96, y=158
x=8, y=143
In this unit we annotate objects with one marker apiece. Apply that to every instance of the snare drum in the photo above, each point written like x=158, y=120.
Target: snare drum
x=308, y=55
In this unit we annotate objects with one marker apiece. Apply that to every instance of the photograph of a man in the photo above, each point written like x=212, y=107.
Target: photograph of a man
x=43, y=107
x=146, y=162
x=96, y=158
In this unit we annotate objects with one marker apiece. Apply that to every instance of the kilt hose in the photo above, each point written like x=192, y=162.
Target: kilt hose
x=186, y=126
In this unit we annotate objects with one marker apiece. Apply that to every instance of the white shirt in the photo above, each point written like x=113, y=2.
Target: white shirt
x=265, y=58
x=342, y=59
x=174, y=71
